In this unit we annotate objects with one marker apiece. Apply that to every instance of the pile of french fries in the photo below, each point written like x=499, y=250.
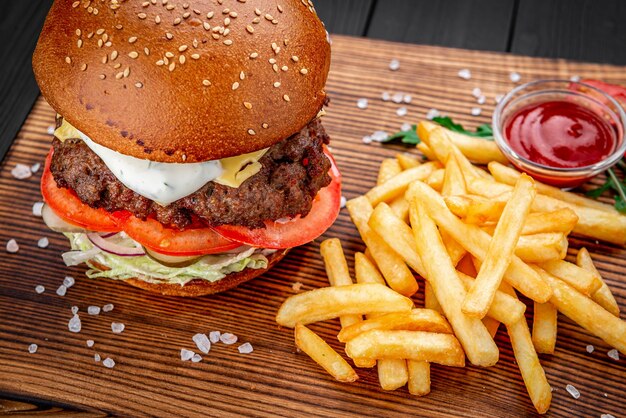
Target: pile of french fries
x=476, y=238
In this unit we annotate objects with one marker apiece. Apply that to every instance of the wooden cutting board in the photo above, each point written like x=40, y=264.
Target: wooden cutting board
x=150, y=379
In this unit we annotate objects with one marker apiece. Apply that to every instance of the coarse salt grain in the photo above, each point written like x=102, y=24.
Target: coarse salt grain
x=93, y=310
x=43, y=242
x=431, y=114
x=361, y=103
x=407, y=98
x=186, y=354
x=37, y=208
x=108, y=362
x=515, y=77
x=481, y=100
x=202, y=342
x=476, y=111
x=367, y=139
x=385, y=96
x=394, y=65
x=296, y=286
x=196, y=358
x=12, y=246
x=61, y=290
x=589, y=348
x=74, y=310
x=402, y=111
x=572, y=391
x=380, y=136
x=498, y=98
x=465, y=74
x=228, y=338
x=342, y=202
x=40, y=289
x=245, y=348
x=606, y=416
x=575, y=78
x=74, y=324
x=51, y=130
x=68, y=281
x=477, y=92
x=406, y=127
x=117, y=327
x=96, y=357
x=32, y=349
x=21, y=171
x=613, y=354
x=397, y=98
x=214, y=336
x=108, y=307
x=35, y=167
x=90, y=343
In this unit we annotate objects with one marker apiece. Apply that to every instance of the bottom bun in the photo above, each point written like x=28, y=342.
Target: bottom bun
x=204, y=287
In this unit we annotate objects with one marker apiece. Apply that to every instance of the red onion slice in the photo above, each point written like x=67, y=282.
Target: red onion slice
x=115, y=249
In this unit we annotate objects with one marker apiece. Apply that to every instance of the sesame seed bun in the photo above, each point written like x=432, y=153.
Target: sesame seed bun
x=175, y=82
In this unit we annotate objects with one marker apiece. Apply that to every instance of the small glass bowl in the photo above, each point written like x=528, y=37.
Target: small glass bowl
x=547, y=90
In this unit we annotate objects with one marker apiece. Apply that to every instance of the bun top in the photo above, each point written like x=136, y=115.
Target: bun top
x=184, y=81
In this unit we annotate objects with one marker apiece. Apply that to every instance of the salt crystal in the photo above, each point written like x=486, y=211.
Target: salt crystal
x=397, y=98
x=117, y=327
x=295, y=287
x=402, y=111
x=68, y=281
x=90, y=343
x=572, y=391
x=35, y=167
x=575, y=78
x=613, y=354
x=108, y=307
x=606, y=416
x=32, y=349
x=186, y=354
x=93, y=310
x=228, y=338
x=51, y=130
x=21, y=171
x=74, y=310
x=37, y=208
x=431, y=114
x=361, y=103
x=108, y=362
x=407, y=98
x=342, y=202
x=589, y=348
x=406, y=127
x=386, y=96
x=96, y=357
x=62, y=290
x=367, y=139
x=214, y=336
x=606, y=395
x=477, y=92
x=196, y=358
x=394, y=65
x=380, y=136
x=515, y=77
x=74, y=325
x=465, y=74
x=40, y=289
x=202, y=342
x=498, y=98
x=12, y=246
x=481, y=100
x=43, y=242
x=476, y=111
x=245, y=348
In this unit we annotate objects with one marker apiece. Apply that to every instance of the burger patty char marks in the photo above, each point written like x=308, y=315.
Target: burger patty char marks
x=292, y=173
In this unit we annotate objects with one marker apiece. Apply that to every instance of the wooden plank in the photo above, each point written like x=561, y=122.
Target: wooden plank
x=347, y=17
x=472, y=24
x=20, y=23
x=276, y=380
x=586, y=30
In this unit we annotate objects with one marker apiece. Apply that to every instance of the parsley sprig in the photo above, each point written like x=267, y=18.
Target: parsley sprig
x=613, y=183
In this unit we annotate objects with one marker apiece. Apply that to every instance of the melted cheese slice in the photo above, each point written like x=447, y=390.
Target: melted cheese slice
x=166, y=183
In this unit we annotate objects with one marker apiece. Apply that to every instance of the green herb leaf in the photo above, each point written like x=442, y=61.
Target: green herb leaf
x=596, y=193
x=406, y=137
x=612, y=183
x=483, y=131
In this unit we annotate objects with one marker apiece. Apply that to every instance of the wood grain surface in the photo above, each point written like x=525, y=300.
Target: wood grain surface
x=276, y=380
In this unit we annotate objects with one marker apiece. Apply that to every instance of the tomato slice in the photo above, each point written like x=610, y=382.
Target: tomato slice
x=68, y=206
x=299, y=231
x=191, y=241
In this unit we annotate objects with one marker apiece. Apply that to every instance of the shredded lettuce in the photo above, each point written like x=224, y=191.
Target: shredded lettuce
x=210, y=267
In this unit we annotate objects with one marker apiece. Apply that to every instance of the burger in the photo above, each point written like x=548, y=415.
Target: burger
x=188, y=154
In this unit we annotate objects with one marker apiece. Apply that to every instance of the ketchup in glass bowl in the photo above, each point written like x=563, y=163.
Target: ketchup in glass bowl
x=560, y=132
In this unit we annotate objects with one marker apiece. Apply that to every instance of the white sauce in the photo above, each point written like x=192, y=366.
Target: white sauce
x=164, y=183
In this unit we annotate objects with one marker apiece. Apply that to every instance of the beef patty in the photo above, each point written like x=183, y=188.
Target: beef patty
x=292, y=173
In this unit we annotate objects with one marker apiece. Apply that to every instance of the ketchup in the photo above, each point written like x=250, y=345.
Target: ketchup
x=560, y=134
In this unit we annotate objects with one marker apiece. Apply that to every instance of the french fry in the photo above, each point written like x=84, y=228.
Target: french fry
x=594, y=223
x=435, y=180
x=419, y=377
x=392, y=373
x=428, y=153
x=400, y=207
x=544, y=327
x=582, y=280
x=365, y=271
x=453, y=180
x=586, y=313
x=396, y=186
x=323, y=354
x=602, y=296
x=337, y=272
x=509, y=176
x=459, y=205
x=539, y=248
x=466, y=266
x=476, y=149
x=481, y=212
x=454, y=249
x=492, y=325
x=476, y=242
x=415, y=320
x=412, y=345
x=407, y=160
x=389, y=168
x=430, y=300
x=504, y=309
x=561, y=220
x=501, y=249
x=332, y=302
x=391, y=265
x=449, y=290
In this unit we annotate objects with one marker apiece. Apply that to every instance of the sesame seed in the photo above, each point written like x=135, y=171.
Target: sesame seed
x=265, y=126
x=242, y=75
x=146, y=51
x=119, y=75
x=280, y=8
x=304, y=71
x=284, y=68
x=257, y=12
x=79, y=43
x=160, y=62
x=195, y=43
x=256, y=20
x=100, y=43
x=250, y=29
x=126, y=72
x=181, y=59
x=275, y=68
x=227, y=21
x=172, y=66
x=210, y=15
x=295, y=58
x=76, y=4
x=118, y=27
x=99, y=31
x=186, y=15
x=157, y=19
x=169, y=54
x=233, y=14
x=118, y=65
x=215, y=36
x=133, y=54
x=206, y=26
x=286, y=98
x=235, y=85
x=269, y=17
x=114, y=55
x=102, y=76
x=182, y=48
x=170, y=7
x=90, y=35
x=68, y=60
x=247, y=105
x=83, y=67
x=142, y=15
x=272, y=60
x=225, y=11
x=275, y=22
x=277, y=84
x=206, y=83
x=251, y=132
x=195, y=56
x=177, y=21
x=196, y=11
x=228, y=42
x=169, y=35
x=132, y=39
x=139, y=85
x=254, y=55
x=78, y=32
